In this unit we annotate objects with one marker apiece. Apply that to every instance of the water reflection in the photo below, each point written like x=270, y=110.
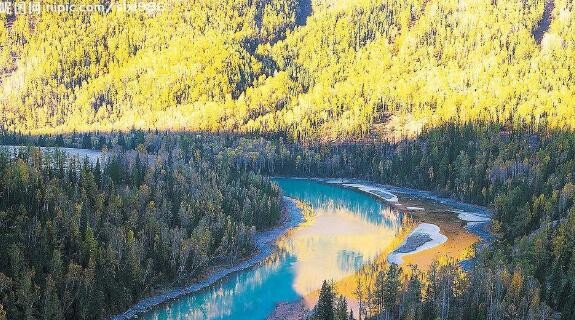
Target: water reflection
x=349, y=228
x=327, y=196
x=349, y=261
x=319, y=246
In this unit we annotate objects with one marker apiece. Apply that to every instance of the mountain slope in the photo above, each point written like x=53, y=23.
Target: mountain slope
x=249, y=67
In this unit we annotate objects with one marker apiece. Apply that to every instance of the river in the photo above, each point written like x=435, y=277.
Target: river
x=353, y=222
x=349, y=228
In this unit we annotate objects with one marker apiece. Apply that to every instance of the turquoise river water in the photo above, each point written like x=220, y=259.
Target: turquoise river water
x=349, y=228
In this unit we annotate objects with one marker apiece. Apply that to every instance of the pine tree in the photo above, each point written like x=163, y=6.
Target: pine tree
x=340, y=309
x=359, y=295
x=52, y=309
x=391, y=286
x=324, y=309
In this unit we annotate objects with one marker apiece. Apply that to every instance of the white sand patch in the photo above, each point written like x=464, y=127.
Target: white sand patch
x=336, y=181
x=470, y=216
x=415, y=208
x=429, y=229
x=379, y=192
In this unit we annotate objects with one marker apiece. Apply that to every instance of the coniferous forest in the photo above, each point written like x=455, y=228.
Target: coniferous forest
x=527, y=273
x=197, y=105
x=83, y=240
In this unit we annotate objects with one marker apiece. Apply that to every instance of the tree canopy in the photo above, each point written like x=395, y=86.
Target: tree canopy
x=306, y=69
x=82, y=240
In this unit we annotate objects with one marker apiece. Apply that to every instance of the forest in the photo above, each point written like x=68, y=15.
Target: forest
x=443, y=292
x=199, y=104
x=306, y=69
x=526, y=177
x=82, y=240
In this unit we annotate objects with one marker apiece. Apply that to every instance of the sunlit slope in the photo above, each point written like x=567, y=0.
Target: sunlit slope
x=349, y=69
x=85, y=71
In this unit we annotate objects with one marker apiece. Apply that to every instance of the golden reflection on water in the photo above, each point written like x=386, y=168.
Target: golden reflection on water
x=335, y=243
x=347, y=229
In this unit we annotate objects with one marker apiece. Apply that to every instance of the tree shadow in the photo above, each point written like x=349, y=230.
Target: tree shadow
x=305, y=10
x=541, y=28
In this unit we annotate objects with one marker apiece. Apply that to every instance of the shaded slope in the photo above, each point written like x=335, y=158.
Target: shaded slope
x=545, y=22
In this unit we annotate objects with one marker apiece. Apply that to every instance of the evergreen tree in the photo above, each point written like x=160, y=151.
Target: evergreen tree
x=324, y=309
x=100, y=244
x=340, y=309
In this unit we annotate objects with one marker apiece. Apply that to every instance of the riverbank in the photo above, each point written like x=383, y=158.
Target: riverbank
x=476, y=218
x=393, y=194
x=265, y=243
x=295, y=310
x=451, y=216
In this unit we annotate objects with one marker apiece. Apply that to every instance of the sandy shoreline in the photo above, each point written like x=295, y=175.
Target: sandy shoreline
x=295, y=310
x=476, y=220
x=265, y=243
x=472, y=214
x=444, y=227
x=393, y=190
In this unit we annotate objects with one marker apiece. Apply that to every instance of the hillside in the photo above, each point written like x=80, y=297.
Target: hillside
x=325, y=68
x=80, y=240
